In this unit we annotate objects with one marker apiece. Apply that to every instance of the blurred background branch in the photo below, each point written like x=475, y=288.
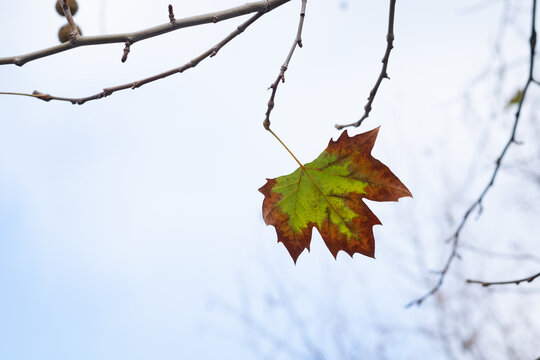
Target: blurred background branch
x=477, y=204
x=516, y=282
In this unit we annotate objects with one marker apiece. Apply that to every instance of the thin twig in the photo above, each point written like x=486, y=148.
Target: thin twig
x=384, y=73
x=133, y=85
x=127, y=48
x=74, y=34
x=36, y=94
x=517, y=282
x=133, y=37
x=478, y=203
x=285, y=66
x=172, y=20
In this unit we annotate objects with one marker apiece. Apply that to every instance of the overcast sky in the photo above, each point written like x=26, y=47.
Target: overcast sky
x=131, y=228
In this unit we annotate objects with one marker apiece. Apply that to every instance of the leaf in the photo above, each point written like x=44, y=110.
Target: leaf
x=327, y=194
x=516, y=99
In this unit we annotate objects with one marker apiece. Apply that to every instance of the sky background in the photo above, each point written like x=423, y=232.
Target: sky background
x=131, y=228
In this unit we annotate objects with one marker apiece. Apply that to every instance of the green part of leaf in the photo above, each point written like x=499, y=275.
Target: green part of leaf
x=302, y=195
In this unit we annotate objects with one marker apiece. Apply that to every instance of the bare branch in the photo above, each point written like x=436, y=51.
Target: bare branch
x=214, y=17
x=133, y=85
x=285, y=66
x=383, y=74
x=517, y=282
x=478, y=202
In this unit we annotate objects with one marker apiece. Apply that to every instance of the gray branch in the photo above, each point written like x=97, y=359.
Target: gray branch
x=262, y=6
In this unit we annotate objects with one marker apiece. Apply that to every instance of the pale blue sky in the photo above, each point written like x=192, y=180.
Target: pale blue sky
x=131, y=226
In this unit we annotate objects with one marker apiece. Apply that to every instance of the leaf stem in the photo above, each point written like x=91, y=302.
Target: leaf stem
x=286, y=148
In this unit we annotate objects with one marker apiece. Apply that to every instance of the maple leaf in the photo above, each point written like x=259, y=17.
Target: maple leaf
x=327, y=194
